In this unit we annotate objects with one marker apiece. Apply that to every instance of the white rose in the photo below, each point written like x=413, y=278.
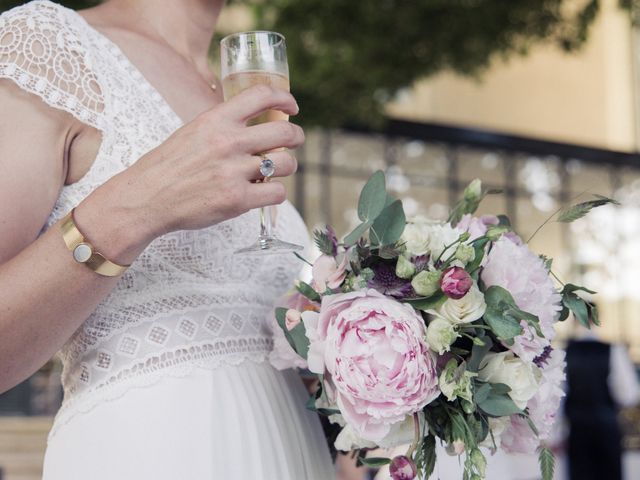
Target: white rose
x=468, y=309
x=416, y=238
x=348, y=440
x=402, y=433
x=522, y=377
x=440, y=335
x=497, y=426
x=422, y=236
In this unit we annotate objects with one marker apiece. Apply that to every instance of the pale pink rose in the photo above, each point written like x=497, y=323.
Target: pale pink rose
x=520, y=271
x=476, y=226
x=543, y=409
x=283, y=356
x=292, y=318
x=373, y=349
x=327, y=273
x=455, y=282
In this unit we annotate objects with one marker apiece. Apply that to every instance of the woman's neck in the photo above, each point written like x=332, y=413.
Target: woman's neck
x=187, y=26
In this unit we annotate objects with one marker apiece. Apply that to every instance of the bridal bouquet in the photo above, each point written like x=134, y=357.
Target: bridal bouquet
x=421, y=331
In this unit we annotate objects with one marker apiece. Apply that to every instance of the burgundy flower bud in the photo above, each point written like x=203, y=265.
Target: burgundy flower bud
x=455, y=282
x=402, y=468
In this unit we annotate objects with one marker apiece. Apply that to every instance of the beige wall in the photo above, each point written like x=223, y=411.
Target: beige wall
x=584, y=98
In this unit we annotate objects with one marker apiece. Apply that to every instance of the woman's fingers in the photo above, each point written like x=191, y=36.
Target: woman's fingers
x=272, y=135
x=284, y=163
x=263, y=194
x=256, y=100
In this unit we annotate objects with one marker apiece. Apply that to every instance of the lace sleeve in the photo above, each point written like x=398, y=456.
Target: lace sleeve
x=44, y=54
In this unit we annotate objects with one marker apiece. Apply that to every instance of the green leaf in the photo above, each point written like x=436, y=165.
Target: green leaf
x=389, y=225
x=297, y=336
x=427, y=303
x=478, y=352
x=547, y=463
x=479, y=245
x=500, y=388
x=427, y=456
x=482, y=392
x=498, y=405
x=375, y=462
x=308, y=291
x=500, y=313
x=577, y=305
x=575, y=212
x=372, y=198
x=356, y=234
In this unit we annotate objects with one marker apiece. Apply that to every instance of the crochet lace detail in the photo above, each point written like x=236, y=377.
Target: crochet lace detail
x=187, y=300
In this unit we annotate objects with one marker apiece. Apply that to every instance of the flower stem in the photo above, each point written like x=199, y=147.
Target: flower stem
x=416, y=437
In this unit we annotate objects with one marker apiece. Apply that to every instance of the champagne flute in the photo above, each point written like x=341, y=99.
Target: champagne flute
x=248, y=59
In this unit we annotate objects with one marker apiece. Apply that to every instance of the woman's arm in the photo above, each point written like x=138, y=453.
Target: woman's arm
x=200, y=176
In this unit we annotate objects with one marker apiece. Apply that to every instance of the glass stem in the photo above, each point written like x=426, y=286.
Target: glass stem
x=265, y=222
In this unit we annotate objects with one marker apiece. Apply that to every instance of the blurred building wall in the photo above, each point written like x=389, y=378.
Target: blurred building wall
x=585, y=98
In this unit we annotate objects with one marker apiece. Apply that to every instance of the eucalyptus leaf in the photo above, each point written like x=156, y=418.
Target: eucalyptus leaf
x=356, y=234
x=499, y=405
x=372, y=198
x=482, y=392
x=478, y=352
x=389, y=225
x=575, y=212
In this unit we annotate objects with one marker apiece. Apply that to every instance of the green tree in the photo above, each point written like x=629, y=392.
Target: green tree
x=349, y=57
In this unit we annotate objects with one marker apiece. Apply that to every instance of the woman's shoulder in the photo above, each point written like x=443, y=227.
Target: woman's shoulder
x=44, y=49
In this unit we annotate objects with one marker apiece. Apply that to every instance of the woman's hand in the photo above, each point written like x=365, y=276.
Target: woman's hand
x=205, y=173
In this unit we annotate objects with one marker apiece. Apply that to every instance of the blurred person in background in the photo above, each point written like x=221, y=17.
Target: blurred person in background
x=601, y=379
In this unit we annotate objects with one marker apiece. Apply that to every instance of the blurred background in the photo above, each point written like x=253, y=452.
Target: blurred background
x=539, y=98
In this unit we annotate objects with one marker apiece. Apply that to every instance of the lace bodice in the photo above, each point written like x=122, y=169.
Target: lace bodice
x=186, y=300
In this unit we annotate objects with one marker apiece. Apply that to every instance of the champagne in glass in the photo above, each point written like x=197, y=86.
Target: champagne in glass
x=248, y=59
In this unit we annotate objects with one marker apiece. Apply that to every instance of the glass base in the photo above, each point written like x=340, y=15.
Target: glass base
x=269, y=245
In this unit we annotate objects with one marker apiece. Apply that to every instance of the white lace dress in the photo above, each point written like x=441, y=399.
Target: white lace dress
x=168, y=378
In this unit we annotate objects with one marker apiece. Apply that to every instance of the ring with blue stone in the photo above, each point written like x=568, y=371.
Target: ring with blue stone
x=267, y=167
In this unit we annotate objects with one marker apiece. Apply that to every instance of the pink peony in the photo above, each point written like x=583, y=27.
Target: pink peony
x=476, y=226
x=327, y=273
x=283, y=356
x=373, y=349
x=543, y=409
x=455, y=282
x=520, y=271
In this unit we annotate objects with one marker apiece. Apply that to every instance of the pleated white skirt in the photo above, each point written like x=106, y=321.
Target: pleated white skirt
x=245, y=422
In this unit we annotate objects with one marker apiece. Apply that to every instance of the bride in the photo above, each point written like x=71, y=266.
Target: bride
x=126, y=185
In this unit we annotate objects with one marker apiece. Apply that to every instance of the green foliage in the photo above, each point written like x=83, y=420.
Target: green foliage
x=575, y=212
x=495, y=400
x=374, y=462
x=297, y=336
x=388, y=226
x=380, y=213
x=547, y=463
x=502, y=314
x=325, y=240
x=308, y=291
x=348, y=58
x=425, y=457
x=586, y=313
